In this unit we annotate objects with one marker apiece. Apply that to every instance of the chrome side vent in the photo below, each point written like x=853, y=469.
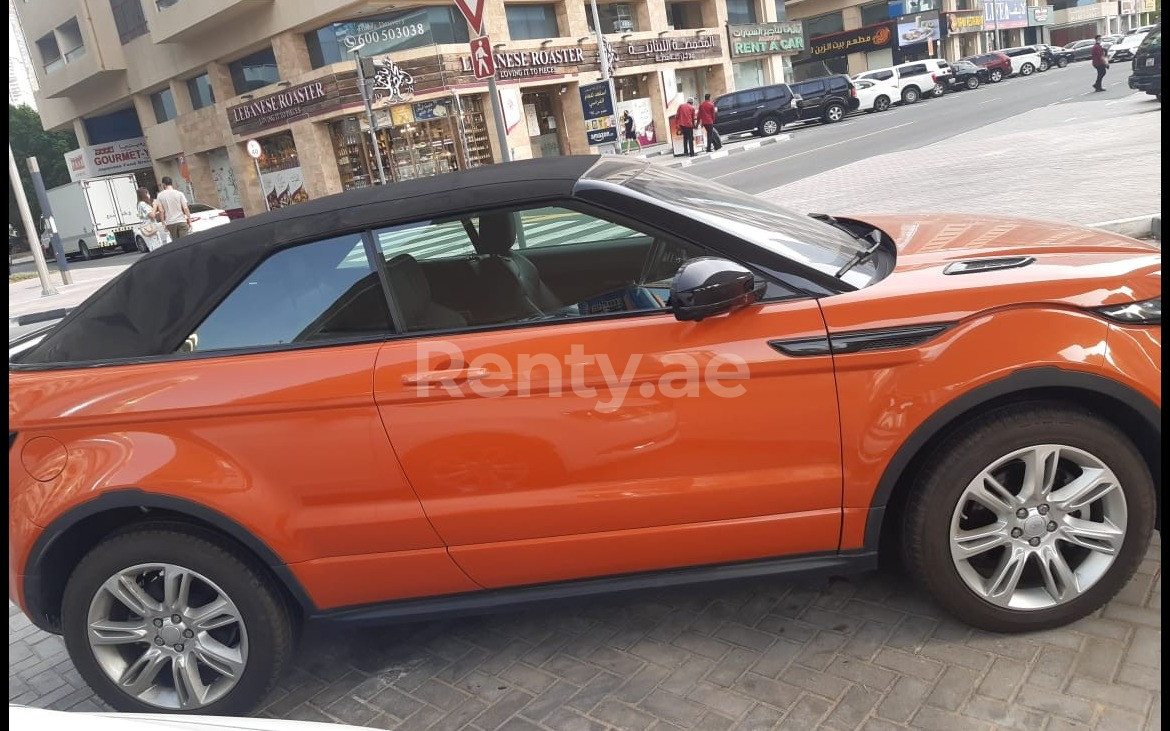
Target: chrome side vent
x=971, y=266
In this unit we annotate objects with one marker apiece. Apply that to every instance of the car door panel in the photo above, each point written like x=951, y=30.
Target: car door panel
x=517, y=481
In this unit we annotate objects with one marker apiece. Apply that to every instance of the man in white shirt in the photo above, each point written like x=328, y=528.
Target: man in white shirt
x=172, y=205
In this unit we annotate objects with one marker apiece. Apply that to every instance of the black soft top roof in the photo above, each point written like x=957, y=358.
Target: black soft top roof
x=152, y=306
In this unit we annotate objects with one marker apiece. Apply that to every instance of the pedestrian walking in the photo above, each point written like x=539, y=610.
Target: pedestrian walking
x=149, y=230
x=171, y=208
x=629, y=134
x=1100, y=63
x=686, y=125
x=707, y=111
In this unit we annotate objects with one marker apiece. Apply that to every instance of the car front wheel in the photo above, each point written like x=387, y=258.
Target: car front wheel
x=972, y=82
x=1061, y=62
x=910, y=95
x=161, y=619
x=1027, y=69
x=881, y=104
x=769, y=126
x=1030, y=518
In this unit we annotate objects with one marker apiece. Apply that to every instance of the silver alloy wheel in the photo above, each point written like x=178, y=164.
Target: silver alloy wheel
x=1038, y=527
x=168, y=636
x=836, y=113
x=769, y=127
x=882, y=103
x=996, y=75
x=1027, y=69
x=972, y=82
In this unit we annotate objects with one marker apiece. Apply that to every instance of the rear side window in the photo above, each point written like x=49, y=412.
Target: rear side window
x=749, y=98
x=810, y=88
x=727, y=100
x=917, y=69
x=326, y=290
x=884, y=75
x=838, y=83
x=776, y=93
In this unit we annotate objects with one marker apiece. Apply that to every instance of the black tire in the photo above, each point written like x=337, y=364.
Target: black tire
x=769, y=126
x=140, y=245
x=83, y=251
x=962, y=456
x=881, y=104
x=972, y=82
x=834, y=113
x=996, y=76
x=1027, y=69
x=1061, y=62
x=1043, y=66
x=910, y=95
x=266, y=617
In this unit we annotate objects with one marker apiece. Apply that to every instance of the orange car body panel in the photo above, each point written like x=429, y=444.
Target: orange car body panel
x=372, y=490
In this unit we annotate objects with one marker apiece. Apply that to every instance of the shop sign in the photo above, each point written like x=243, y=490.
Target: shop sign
x=1085, y=13
x=669, y=50
x=1004, y=14
x=109, y=158
x=757, y=39
x=298, y=101
x=527, y=64
x=383, y=35
x=964, y=22
x=433, y=109
x=1040, y=15
x=860, y=40
x=1128, y=7
x=401, y=114
x=1148, y=6
x=921, y=28
x=392, y=83
x=600, y=122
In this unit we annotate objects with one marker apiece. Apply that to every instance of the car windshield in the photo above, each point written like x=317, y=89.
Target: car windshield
x=788, y=233
x=1153, y=40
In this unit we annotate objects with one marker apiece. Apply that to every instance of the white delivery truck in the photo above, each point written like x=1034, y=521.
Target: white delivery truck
x=94, y=216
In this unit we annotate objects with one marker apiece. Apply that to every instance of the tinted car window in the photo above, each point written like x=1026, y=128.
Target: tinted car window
x=776, y=93
x=839, y=84
x=916, y=70
x=325, y=290
x=884, y=75
x=808, y=88
x=749, y=98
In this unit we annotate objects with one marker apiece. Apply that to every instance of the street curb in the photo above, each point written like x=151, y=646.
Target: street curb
x=1140, y=227
x=754, y=144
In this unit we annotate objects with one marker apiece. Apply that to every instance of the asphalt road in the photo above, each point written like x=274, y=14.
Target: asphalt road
x=815, y=148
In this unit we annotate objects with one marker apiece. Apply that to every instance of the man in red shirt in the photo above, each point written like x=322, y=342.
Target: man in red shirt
x=1100, y=63
x=685, y=118
x=707, y=119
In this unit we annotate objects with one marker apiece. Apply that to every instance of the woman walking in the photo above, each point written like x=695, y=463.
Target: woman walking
x=149, y=230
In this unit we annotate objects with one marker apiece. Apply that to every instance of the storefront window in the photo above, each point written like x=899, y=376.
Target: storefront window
x=748, y=74
x=426, y=138
x=281, y=177
x=614, y=17
x=875, y=13
x=386, y=33
x=353, y=154
x=164, y=105
x=688, y=15
x=742, y=11
x=823, y=25
x=781, y=10
x=199, y=88
x=532, y=21
x=254, y=71
x=542, y=118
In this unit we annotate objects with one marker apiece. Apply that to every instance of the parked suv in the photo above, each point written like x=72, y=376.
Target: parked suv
x=827, y=99
x=1026, y=60
x=1147, y=64
x=915, y=79
x=998, y=65
x=763, y=110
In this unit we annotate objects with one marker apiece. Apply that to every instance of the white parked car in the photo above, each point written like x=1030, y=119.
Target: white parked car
x=1124, y=49
x=1026, y=60
x=204, y=217
x=913, y=80
x=874, y=95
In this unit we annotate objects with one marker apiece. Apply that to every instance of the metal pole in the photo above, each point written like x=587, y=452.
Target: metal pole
x=34, y=170
x=30, y=230
x=498, y=113
x=369, y=115
x=995, y=24
x=604, y=57
x=260, y=182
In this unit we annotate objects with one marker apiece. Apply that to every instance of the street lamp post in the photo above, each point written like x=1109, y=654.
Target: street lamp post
x=356, y=51
x=995, y=24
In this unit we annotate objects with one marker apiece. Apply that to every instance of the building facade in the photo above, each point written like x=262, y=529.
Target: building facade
x=21, y=80
x=180, y=88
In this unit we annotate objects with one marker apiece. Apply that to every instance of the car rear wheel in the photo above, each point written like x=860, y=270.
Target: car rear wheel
x=881, y=104
x=83, y=251
x=1043, y=66
x=996, y=76
x=834, y=113
x=1030, y=517
x=162, y=619
x=140, y=244
x=910, y=95
x=1027, y=69
x=769, y=126
x=972, y=82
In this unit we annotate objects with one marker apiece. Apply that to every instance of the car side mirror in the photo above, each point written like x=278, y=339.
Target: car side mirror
x=708, y=285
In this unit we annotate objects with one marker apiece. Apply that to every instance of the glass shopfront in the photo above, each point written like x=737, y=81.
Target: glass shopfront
x=281, y=177
x=542, y=117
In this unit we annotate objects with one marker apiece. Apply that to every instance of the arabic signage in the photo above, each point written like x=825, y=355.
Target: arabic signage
x=964, y=22
x=555, y=61
x=296, y=102
x=668, y=50
x=760, y=39
x=860, y=40
x=111, y=158
x=1040, y=15
x=434, y=109
x=600, y=122
x=1005, y=14
x=919, y=28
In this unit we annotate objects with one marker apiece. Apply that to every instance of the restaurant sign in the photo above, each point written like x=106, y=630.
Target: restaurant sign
x=1006, y=14
x=964, y=22
x=1040, y=15
x=859, y=40
x=533, y=63
x=668, y=50
x=109, y=158
x=759, y=39
x=294, y=103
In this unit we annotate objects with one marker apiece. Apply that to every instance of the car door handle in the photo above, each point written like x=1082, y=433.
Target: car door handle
x=453, y=375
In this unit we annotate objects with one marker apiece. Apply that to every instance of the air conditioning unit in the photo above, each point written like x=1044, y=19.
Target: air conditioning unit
x=623, y=25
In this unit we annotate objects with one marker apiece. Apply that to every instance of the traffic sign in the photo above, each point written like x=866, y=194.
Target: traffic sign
x=473, y=11
x=482, y=63
x=253, y=148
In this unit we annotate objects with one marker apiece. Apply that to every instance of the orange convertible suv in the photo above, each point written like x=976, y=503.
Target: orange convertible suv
x=542, y=379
